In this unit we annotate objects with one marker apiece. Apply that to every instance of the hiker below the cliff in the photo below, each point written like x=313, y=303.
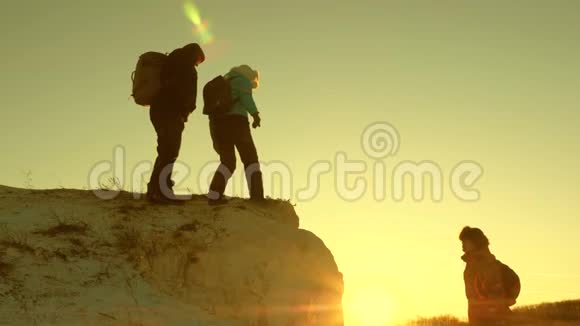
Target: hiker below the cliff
x=489, y=297
x=230, y=130
x=168, y=113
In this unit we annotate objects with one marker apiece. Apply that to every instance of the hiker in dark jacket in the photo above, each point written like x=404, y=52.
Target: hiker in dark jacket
x=484, y=287
x=169, y=112
x=231, y=131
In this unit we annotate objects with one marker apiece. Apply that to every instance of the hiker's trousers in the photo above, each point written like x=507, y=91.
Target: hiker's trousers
x=229, y=133
x=169, y=128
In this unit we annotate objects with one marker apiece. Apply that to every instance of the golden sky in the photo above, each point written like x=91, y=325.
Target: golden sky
x=494, y=82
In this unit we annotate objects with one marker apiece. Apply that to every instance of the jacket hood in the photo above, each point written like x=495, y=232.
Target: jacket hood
x=189, y=54
x=246, y=71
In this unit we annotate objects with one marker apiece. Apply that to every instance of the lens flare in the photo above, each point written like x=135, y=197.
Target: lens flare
x=200, y=27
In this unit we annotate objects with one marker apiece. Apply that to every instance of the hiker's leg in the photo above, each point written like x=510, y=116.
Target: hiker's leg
x=214, y=133
x=223, y=144
x=169, y=132
x=158, y=124
x=175, y=132
x=249, y=155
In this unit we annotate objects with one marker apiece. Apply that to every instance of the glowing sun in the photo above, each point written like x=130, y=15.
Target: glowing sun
x=368, y=307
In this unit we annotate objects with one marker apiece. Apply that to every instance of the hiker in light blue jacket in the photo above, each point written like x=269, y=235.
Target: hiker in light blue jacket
x=231, y=131
x=243, y=80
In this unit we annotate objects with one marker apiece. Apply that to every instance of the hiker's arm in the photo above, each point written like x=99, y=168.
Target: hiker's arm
x=247, y=101
x=192, y=105
x=182, y=85
x=257, y=120
x=250, y=106
x=186, y=89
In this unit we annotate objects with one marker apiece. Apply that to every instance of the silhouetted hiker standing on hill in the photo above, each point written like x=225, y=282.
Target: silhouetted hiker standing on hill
x=169, y=112
x=227, y=102
x=491, y=287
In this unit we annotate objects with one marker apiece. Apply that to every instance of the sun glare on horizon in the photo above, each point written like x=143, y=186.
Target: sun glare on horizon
x=369, y=307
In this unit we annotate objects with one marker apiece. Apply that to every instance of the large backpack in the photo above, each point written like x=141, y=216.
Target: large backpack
x=217, y=96
x=147, y=77
x=511, y=283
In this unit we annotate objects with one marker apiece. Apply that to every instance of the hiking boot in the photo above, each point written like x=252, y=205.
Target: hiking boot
x=255, y=185
x=217, y=202
x=258, y=200
x=157, y=197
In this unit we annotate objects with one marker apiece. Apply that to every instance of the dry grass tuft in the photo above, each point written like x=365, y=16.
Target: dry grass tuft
x=128, y=239
x=64, y=227
x=437, y=321
x=561, y=311
x=5, y=267
x=17, y=240
x=190, y=227
x=564, y=313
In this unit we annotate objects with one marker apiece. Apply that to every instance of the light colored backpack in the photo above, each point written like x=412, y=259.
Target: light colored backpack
x=147, y=77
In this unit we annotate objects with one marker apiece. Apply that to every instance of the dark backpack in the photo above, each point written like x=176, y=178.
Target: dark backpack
x=217, y=96
x=511, y=282
x=147, y=77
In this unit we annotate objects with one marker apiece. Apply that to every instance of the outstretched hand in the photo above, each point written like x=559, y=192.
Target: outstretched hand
x=257, y=121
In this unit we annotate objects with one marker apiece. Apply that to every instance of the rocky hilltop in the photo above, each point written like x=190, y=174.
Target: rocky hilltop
x=70, y=258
